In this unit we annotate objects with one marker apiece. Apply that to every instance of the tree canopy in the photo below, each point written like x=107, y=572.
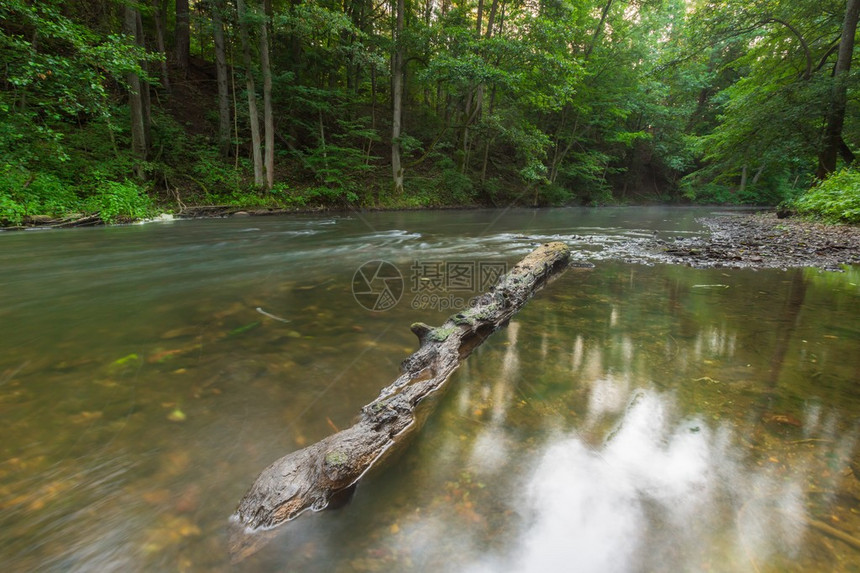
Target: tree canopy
x=109, y=105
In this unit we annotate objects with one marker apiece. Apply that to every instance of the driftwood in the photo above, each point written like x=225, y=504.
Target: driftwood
x=322, y=474
x=48, y=222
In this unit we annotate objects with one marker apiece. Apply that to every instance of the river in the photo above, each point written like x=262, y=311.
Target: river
x=633, y=417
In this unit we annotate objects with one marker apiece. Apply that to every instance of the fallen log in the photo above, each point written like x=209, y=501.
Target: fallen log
x=321, y=474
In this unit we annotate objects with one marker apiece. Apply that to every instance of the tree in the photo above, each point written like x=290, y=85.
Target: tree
x=833, y=142
x=268, y=117
x=397, y=63
x=158, y=20
x=540, y=102
x=182, y=35
x=253, y=116
x=218, y=9
x=138, y=96
x=776, y=104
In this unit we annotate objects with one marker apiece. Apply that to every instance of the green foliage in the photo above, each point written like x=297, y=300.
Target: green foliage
x=337, y=163
x=566, y=101
x=12, y=210
x=835, y=200
x=48, y=195
x=554, y=195
x=286, y=197
x=60, y=66
x=707, y=192
x=120, y=201
x=25, y=194
x=456, y=187
x=769, y=91
x=212, y=173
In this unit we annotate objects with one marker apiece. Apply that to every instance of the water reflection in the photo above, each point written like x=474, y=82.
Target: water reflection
x=654, y=497
x=635, y=445
x=491, y=447
x=662, y=492
x=627, y=420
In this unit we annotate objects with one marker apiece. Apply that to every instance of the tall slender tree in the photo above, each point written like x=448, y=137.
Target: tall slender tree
x=137, y=104
x=222, y=73
x=268, y=114
x=397, y=62
x=158, y=19
x=253, y=115
x=182, y=35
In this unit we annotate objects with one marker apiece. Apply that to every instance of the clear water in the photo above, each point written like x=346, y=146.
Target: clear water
x=631, y=418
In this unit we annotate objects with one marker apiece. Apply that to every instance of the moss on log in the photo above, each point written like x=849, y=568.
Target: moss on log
x=315, y=477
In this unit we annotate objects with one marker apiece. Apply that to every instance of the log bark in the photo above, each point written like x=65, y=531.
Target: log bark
x=317, y=476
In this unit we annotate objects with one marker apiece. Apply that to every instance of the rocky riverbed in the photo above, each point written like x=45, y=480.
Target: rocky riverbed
x=761, y=240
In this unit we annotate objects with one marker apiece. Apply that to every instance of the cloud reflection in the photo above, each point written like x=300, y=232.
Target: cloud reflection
x=594, y=510
x=662, y=493
x=631, y=480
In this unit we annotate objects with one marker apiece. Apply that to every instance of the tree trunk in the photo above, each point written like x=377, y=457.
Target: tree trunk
x=253, y=116
x=182, y=35
x=320, y=474
x=158, y=17
x=742, y=187
x=847, y=155
x=268, y=117
x=221, y=71
x=235, y=102
x=487, y=35
x=836, y=113
x=397, y=98
x=598, y=30
x=489, y=141
x=464, y=138
x=144, y=88
x=491, y=19
x=135, y=100
x=560, y=155
x=758, y=174
x=373, y=95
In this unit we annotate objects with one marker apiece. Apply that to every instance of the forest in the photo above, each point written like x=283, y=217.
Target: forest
x=117, y=110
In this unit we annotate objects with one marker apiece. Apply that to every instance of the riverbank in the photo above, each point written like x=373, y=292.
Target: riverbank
x=762, y=240
x=211, y=212
x=734, y=239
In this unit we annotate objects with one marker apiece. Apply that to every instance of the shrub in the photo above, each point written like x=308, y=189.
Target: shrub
x=120, y=201
x=50, y=196
x=11, y=212
x=835, y=200
x=455, y=185
x=24, y=193
x=213, y=174
x=555, y=195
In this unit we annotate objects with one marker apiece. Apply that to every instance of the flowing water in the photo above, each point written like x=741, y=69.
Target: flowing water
x=632, y=417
